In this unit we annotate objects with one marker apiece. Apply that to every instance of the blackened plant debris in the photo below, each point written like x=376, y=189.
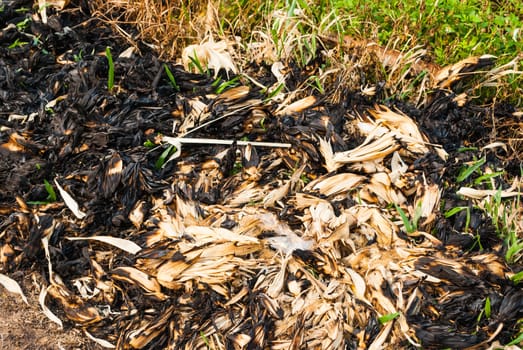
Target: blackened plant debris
x=335, y=240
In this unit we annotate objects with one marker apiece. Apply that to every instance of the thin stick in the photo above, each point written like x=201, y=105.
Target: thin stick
x=180, y=140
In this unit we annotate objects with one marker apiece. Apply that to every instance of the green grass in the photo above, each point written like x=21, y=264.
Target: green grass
x=221, y=85
x=164, y=157
x=110, y=73
x=171, y=77
x=505, y=213
x=411, y=225
x=467, y=171
x=195, y=63
x=17, y=43
x=389, y=317
x=450, y=30
x=451, y=212
x=24, y=24
x=454, y=29
x=51, y=194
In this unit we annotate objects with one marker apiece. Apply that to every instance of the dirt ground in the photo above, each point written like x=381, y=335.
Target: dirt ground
x=25, y=327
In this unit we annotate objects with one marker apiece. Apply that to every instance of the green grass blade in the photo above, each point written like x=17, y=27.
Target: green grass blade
x=487, y=177
x=389, y=317
x=275, y=92
x=453, y=211
x=171, y=77
x=50, y=191
x=149, y=144
x=465, y=149
x=417, y=216
x=518, y=277
x=227, y=84
x=487, y=308
x=163, y=157
x=466, y=172
x=110, y=74
x=17, y=43
x=409, y=227
x=205, y=340
x=51, y=195
x=513, y=250
x=196, y=62
x=516, y=341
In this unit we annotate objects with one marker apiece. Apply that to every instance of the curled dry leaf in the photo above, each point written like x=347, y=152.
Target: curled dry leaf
x=70, y=202
x=48, y=313
x=12, y=286
x=333, y=185
x=99, y=341
x=140, y=278
x=44, y=4
x=123, y=244
x=298, y=106
x=448, y=75
x=480, y=194
x=210, y=55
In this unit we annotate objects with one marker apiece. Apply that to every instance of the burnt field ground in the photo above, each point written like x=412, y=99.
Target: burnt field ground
x=203, y=203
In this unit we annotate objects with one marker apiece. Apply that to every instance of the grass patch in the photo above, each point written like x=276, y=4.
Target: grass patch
x=505, y=213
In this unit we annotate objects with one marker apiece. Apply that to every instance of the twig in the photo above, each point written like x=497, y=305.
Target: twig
x=180, y=140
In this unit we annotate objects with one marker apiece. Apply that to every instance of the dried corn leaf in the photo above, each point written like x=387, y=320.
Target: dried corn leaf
x=285, y=239
x=368, y=151
x=358, y=284
x=135, y=276
x=139, y=338
x=380, y=341
x=235, y=93
x=205, y=234
x=399, y=122
x=74, y=307
x=298, y=106
x=276, y=195
x=381, y=186
x=241, y=340
x=210, y=55
x=170, y=271
x=333, y=185
x=70, y=202
x=279, y=280
x=123, y=244
x=44, y=4
x=429, y=200
x=48, y=313
x=12, y=286
x=446, y=76
x=398, y=169
x=481, y=194
x=99, y=341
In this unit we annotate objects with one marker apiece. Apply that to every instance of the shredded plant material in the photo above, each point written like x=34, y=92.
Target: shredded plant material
x=312, y=221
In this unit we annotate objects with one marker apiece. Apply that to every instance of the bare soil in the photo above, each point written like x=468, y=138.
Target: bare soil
x=25, y=327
